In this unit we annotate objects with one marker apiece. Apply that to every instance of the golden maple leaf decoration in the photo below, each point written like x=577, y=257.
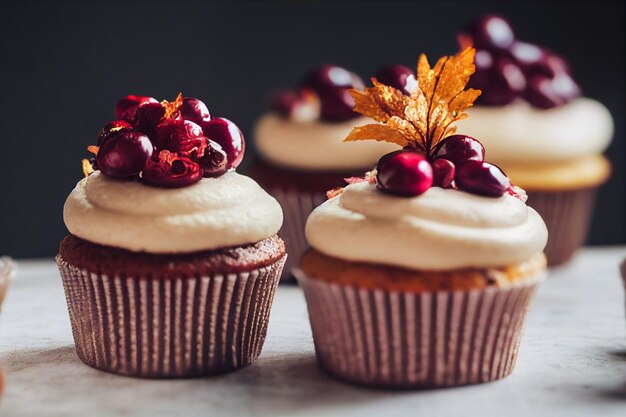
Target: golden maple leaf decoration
x=425, y=117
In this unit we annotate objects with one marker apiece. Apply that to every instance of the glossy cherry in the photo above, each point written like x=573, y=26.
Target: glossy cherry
x=124, y=154
x=302, y=105
x=125, y=108
x=228, y=136
x=492, y=31
x=214, y=160
x=481, y=178
x=181, y=136
x=337, y=104
x=459, y=149
x=109, y=128
x=443, y=173
x=328, y=76
x=405, y=173
x=194, y=110
x=400, y=77
x=169, y=170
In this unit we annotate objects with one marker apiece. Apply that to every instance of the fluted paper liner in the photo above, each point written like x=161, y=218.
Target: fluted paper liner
x=567, y=215
x=297, y=206
x=416, y=340
x=169, y=327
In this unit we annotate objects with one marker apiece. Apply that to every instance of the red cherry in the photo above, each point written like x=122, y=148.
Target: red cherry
x=459, y=149
x=214, y=160
x=481, y=178
x=406, y=173
x=328, y=76
x=194, y=110
x=126, y=107
x=301, y=105
x=332, y=85
x=181, y=136
x=399, y=77
x=147, y=116
x=228, y=136
x=492, y=31
x=109, y=128
x=443, y=173
x=171, y=171
x=124, y=154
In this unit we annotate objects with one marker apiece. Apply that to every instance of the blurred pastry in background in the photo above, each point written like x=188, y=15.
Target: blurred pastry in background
x=539, y=128
x=299, y=141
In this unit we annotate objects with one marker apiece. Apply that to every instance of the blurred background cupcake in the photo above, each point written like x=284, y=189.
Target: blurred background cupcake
x=299, y=140
x=539, y=129
x=421, y=274
x=172, y=260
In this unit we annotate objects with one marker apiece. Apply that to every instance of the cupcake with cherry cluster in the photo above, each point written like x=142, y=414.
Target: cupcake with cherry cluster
x=421, y=273
x=539, y=129
x=301, y=152
x=173, y=258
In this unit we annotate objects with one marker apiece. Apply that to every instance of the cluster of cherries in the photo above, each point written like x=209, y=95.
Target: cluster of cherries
x=323, y=93
x=507, y=69
x=167, y=144
x=456, y=162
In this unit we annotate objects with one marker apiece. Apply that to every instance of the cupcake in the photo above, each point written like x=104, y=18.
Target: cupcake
x=173, y=259
x=302, y=155
x=420, y=274
x=539, y=129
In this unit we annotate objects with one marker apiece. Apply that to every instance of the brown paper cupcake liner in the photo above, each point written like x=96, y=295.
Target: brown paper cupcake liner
x=167, y=327
x=567, y=215
x=416, y=340
x=297, y=205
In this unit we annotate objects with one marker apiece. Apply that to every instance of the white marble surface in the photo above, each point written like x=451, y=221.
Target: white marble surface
x=572, y=362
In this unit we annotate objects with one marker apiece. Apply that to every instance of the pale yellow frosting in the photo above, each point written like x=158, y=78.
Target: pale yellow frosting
x=442, y=229
x=316, y=145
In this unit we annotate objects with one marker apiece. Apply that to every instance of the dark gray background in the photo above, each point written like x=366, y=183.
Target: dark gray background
x=64, y=66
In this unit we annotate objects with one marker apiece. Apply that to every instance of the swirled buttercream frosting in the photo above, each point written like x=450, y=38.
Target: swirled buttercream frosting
x=442, y=229
x=214, y=213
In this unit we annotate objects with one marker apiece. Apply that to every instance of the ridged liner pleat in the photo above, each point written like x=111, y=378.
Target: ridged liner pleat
x=168, y=327
x=416, y=340
x=297, y=206
x=567, y=215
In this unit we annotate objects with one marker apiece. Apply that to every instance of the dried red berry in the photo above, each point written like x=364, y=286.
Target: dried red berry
x=109, y=128
x=127, y=107
x=171, y=171
x=214, y=161
x=180, y=136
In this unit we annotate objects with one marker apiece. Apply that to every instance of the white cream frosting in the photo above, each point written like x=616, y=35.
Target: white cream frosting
x=520, y=133
x=316, y=145
x=438, y=230
x=214, y=213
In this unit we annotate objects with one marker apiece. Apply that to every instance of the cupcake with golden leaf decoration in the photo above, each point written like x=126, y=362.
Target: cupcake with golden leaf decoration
x=421, y=273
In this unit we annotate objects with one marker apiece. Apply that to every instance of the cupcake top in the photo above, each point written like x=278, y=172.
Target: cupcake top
x=163, y=180
x=531, y=110
x=436, y=204
x=302, y=127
